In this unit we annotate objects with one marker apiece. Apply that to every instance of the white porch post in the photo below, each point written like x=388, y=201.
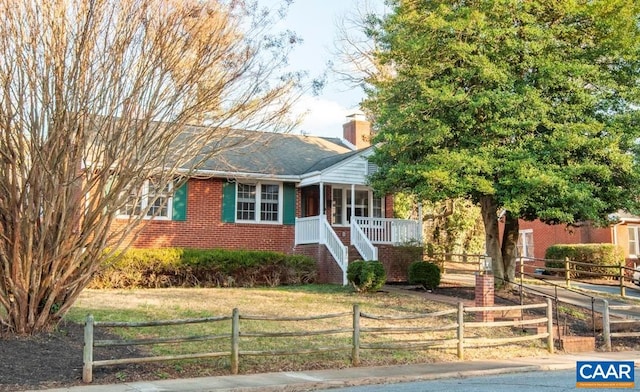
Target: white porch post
x=353, y=202
x=322, y=209
x=322, y=212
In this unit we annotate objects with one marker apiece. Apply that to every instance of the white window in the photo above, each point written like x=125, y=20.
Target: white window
x=337, y=207
x=258, y=202
x=366, y=205
x=246, y=202
x=378, y=208
x=633, y=241
x=269, y=202
x=361, y=207
x=151, y=200
x=525, y=243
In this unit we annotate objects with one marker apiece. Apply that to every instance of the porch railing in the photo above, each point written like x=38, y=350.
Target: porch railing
x=362, y=243
x=390, y=231
x=338, y=250
x=317, y=230
x=308, y=230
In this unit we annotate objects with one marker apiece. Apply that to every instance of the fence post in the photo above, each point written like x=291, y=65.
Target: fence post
x=87, y=354
x=460, y=330
x=521, y=268
x=606, y=327
x=567, y=273
x=521, y=281
x=235, y=340
x=355, y=351
x=623, y=292
x=550, y=326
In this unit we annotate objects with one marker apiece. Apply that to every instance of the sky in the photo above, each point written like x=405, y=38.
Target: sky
x=315, y=22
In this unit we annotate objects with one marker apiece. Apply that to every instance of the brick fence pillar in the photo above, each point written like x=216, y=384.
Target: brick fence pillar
x=484, y=295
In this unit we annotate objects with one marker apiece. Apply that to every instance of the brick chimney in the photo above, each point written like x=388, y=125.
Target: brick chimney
x=357, y=130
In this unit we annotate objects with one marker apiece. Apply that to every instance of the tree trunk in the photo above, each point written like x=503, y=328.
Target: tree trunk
x=64, y=175
x=510, y=245
x=489, y=210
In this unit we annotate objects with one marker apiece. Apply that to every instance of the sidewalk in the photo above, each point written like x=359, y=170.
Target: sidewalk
x=323, y=379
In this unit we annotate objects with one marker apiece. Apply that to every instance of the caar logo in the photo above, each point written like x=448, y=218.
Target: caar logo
x=605, y=374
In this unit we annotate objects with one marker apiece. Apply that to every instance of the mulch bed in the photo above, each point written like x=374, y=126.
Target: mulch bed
x=54, y=359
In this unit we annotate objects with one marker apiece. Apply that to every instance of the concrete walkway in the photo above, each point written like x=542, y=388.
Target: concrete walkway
x=323, y=379
x=581, y=298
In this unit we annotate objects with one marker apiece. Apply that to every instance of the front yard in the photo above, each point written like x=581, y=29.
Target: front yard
x=290, y=301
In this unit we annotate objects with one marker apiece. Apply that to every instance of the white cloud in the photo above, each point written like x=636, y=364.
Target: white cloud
x=323, y=117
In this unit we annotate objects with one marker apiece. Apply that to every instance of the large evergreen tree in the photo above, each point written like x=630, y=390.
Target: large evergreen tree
x=529, y=108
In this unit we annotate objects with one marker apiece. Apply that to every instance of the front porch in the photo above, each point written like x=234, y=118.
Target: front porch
x=339, y=212
x=366, y=235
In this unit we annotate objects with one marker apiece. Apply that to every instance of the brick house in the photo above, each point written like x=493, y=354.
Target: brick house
x=291, y=194
x=536, y=236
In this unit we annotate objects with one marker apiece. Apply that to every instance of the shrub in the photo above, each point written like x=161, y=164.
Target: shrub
x=599, y=254
x=425, y=274
x=366, y=276
x=170, y=267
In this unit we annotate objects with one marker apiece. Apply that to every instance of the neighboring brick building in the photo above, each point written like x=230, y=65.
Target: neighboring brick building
x=536, y=236
x=286, y=193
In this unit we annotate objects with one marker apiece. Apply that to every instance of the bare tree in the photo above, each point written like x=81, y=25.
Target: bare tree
x=355, y=47
x=104, y=104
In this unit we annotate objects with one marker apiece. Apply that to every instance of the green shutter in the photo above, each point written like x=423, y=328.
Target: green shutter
x=180, y=204
x=289, y=203
x=229, y=202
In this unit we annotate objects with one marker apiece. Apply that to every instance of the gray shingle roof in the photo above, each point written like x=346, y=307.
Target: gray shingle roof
x=275, y=153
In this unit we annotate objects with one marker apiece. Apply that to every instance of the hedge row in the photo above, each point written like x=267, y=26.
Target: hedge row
x=600, y=254
x=176, y=267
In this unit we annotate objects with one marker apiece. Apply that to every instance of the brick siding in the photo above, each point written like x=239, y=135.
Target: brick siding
x=204, y=228
x=545, y=235
x=388, y=206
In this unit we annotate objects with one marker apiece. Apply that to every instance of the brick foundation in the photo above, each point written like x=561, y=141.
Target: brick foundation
x=396, y=260
x=328, y=269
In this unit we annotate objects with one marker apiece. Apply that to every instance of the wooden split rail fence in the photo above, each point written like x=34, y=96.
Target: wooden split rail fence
x=607, y=322
x=452, y=320
x=570, y=268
